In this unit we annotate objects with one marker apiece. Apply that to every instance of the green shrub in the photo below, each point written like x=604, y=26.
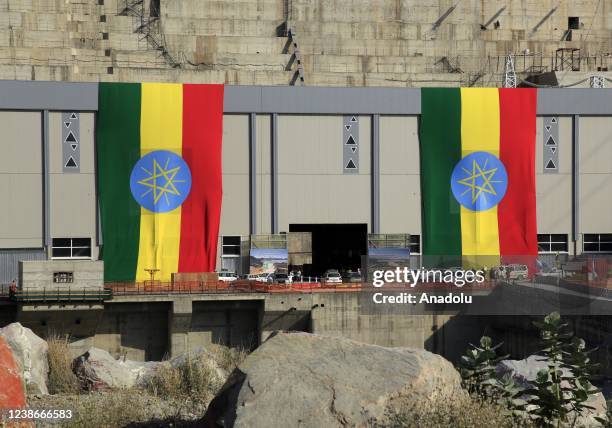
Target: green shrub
x=479, y=377
x=560, y=392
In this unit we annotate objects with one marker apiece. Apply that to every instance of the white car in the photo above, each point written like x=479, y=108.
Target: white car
x=519, y=272
x=264, y=277
x=332, y=277
x=228, y=276
x=282, y=278
x=509, y=272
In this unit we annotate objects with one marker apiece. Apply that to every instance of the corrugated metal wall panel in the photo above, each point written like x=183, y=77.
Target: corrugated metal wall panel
x=9, y=261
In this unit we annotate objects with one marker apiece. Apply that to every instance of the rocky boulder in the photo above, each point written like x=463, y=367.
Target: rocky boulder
x=310, y=380
x=30, y=353
x=97, y=369
x=524, y=373
x=12, y=393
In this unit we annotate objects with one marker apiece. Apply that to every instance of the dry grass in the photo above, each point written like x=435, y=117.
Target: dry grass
x=199, y=378
x=173, y=396
x=228, y=358
x=61, y=378
x=456, y=413
x=118, y=408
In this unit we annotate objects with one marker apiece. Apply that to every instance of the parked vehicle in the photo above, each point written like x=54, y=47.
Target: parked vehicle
x=519, y=272
x=332, y=276
x=510, y=272
x=264, y=277
x=228, y=276
x=352, y=277
x=252, y=276
x=282, y=278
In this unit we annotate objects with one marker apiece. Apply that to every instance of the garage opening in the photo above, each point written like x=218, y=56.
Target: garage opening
x=334, y=246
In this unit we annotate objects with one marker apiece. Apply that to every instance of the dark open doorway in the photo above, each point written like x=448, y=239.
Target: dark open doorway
x=334, y=246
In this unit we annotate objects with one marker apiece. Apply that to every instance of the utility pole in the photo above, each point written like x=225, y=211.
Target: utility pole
x=509, y=73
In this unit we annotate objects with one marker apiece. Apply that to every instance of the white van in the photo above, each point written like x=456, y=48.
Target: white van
x=228, y=276
x=519, y=272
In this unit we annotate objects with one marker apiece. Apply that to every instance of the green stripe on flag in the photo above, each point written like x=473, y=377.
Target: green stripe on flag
x=118, y=150
x=440, y=145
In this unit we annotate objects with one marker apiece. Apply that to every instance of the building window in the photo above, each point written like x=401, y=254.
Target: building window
x=63, y=277
x=415, y=244
x=552, y=243
x=154, y=9
x=597, y=243
x=71, y=248
x=230, y=246
x=573, y=23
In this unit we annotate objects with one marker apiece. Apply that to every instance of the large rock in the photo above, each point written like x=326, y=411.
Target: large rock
x=524, y=373
x=30, y=352
x=317, y=381
x=97, y=369
x=12, y=393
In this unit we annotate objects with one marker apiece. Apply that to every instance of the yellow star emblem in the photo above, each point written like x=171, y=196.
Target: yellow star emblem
x=161, y=173
x=471, y=181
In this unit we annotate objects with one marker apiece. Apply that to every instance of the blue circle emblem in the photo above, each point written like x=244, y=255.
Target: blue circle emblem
x=160, y=181
x=479, y=181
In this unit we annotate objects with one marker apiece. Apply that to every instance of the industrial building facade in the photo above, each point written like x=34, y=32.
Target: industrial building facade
x=340, y=161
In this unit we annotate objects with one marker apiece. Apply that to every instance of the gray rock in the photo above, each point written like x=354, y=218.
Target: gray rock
x=141, y=370
x=524, y=373
x=317, y=381
x=30, y=352
x=97, y=369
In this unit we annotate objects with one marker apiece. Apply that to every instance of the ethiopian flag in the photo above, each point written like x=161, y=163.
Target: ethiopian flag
x=478, y=174
x=159, y=178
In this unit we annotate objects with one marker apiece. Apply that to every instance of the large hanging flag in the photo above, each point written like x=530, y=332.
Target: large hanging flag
x=159, y=178
x=478, y=174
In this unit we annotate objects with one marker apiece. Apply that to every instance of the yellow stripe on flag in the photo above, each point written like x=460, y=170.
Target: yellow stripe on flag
x=480, y=132
x=161, y=128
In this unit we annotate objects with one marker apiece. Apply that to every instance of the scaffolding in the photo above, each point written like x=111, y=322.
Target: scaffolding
x=567, y=59
x=149, y=26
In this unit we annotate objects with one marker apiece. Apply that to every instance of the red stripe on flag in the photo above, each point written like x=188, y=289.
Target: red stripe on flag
x=201, y=211
x=517, y=210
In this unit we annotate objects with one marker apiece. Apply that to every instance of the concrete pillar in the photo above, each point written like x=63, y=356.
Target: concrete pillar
x=179, y=324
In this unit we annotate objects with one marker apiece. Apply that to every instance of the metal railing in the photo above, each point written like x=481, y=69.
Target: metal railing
x=149, y=26
x=296, y=58
x=221, y=287
x=186, y=287
x=5, y=291
x=56, y=295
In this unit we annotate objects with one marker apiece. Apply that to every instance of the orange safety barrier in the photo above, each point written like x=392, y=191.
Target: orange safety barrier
x=250, y=286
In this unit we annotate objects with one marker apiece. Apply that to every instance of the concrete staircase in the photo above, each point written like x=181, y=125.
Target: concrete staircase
x=341, y=42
